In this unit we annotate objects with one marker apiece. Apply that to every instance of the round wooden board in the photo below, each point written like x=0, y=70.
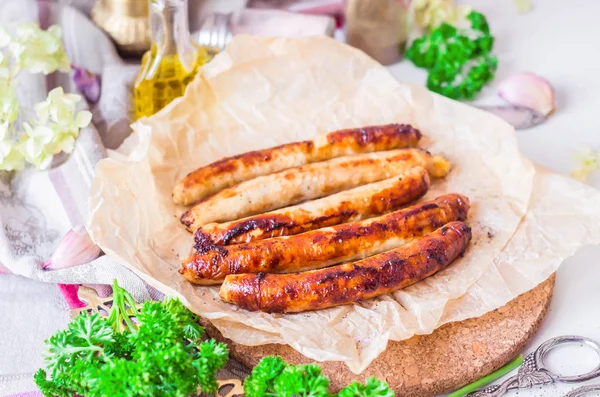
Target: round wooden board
x=452, y=356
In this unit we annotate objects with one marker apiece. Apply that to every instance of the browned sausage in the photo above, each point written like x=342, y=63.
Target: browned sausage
x=232, y=170
x=308, y=182
x=349, y=283
x=347, y=206
x=327, y=246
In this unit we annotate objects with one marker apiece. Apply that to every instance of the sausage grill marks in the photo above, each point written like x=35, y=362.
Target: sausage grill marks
x=347, y=206
x=327, y=246
x=290, y=229
x=229, y=171
x=348, y=283
x=288, y=187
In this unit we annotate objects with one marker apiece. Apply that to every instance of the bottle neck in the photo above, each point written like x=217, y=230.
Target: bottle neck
x=169, y=29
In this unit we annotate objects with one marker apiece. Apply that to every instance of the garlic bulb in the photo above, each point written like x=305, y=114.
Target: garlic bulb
x=528, y=90
x=75, y=248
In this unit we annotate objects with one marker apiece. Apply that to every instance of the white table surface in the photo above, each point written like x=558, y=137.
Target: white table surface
x=558, y=40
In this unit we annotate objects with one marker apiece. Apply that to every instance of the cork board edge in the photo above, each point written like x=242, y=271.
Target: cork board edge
x=462, y=366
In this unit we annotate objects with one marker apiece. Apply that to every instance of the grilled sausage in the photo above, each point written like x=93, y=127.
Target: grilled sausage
x=347, y=206
x=308, y=182
x=348, y=283
x=232, y=170
x=324, y=247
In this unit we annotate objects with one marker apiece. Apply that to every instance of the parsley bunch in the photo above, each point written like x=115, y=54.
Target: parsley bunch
x=161, y=355
x=274, y=378
x=458, y=60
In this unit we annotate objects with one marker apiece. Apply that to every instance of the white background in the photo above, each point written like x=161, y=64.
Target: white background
x=559, y=40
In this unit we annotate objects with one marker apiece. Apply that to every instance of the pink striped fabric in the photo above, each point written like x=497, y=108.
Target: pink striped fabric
x=69, y=292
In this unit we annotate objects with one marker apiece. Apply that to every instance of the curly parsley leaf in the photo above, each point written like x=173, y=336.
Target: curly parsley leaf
x=212, y=356
x=84, y=339
x=161, y=355
x=373, y=388
x=273, y=377
x=302, y=380
x=458, y=60
x=263, y=376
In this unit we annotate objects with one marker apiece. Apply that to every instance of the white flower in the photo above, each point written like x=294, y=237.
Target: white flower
x=9, y=104
x=59, y=110
x=35, y=144
x=4, y=68
x=58, y=121
x=588, y=163
x=58, y=107
x=4, y=131
x=5, y=38
x=39, y=51
x=82, y=119
x=11, y=158
x=56, y=129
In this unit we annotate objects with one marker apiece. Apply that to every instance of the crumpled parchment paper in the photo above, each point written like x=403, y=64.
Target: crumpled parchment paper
x=263, y=92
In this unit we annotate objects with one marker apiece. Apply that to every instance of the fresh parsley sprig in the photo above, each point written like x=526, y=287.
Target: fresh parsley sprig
x=158, y=351
x=459, y=60
x=161, y=354
x=273, y=377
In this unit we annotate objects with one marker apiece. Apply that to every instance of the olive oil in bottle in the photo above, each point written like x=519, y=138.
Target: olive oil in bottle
x=171, y=63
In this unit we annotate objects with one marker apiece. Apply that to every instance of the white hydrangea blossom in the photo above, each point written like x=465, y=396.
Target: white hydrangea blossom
x=10, y=155
x=58, y=122
x=35, y=144
x=4, y=68
x=39, y=51
x=55, y=130
x=5, y=38
x=9, y=104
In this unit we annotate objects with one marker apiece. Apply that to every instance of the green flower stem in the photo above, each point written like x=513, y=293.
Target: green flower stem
x=132, y=304
x=120, y=295
x=126, y=316
x=488, y=378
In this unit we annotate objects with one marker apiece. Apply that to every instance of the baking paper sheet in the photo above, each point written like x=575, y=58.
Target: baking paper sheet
x=262, y=92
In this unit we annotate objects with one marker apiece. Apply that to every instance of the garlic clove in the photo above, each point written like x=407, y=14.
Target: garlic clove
x=519, y=117
x=528, y=90
x=75, y=248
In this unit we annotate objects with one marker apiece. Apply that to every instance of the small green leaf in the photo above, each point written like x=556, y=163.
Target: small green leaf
x=373, y=388
x=478, y=22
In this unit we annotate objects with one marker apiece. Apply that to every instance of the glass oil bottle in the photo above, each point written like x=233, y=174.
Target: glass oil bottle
x=171, y=63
